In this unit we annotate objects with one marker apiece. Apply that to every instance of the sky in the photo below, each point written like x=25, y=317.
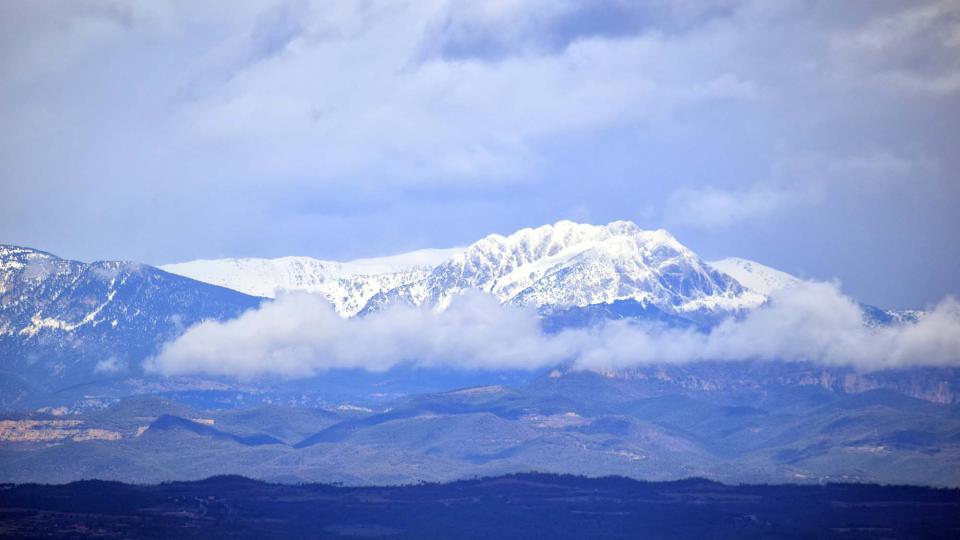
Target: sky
x=817, y=137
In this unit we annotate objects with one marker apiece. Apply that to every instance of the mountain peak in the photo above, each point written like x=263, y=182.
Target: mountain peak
x=10, y=252
x=570, y=264
x=550, y=239
x=559, y=265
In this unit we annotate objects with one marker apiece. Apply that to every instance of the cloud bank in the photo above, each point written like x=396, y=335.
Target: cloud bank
x=300, y=335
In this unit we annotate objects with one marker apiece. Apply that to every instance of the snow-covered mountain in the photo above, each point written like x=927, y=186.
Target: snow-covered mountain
x=65, y=319
x=755, y=276
x=569, y=264
x=74, y=319
x=347, y=285
x=553, y=267
x=614, y=270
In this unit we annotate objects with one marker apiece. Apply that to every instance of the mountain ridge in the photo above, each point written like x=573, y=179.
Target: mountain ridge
x=569, y=264
x=561, y=265
x=347, y=285
x=61, y=318
x=65, y=322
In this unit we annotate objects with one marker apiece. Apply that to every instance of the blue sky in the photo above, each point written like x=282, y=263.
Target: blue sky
x=817, y=137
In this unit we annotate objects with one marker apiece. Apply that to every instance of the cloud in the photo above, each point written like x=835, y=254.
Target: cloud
x=794, y=181
x=887, y=51
x=812, y=322
x=301, y=90
x=109, y=366
x=299, y=335
x=708, y=207
x=441, y=119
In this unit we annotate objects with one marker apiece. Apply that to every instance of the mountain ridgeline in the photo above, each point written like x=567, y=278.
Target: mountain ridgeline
x=64, y=323
x=561, y=266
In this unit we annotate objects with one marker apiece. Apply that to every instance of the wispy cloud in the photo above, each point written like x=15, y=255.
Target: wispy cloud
x=794, y=181
x=886, y=51
x=300, y=335
x=708, y=207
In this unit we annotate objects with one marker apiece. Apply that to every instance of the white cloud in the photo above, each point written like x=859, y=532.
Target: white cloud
x=299, y=335
x=811, y=322
x=362, y=96
x=109, y=366
x=436, y=90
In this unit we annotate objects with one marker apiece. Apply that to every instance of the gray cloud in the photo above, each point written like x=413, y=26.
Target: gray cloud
x=300, y=335
x=914, y=51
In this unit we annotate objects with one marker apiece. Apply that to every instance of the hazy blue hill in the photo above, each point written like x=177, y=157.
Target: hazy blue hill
x=288, y=424
x=168, y=423
x=587, y=423
x=14, y=390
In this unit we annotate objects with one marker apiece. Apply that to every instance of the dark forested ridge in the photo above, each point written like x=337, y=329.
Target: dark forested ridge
x=515, y=506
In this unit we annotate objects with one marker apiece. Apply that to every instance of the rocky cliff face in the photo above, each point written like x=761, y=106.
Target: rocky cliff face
x=935, y=385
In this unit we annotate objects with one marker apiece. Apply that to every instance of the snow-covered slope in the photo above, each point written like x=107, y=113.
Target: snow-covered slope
x=62, y=318
x=569, y=264
x=554, y=268
x=765, y=280
x=755, y=276
x=348, y=285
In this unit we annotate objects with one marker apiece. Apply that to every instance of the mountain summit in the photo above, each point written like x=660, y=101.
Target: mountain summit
x=569, y=264
x=563, y=265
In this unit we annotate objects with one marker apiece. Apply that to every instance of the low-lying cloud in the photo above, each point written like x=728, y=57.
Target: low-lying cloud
x=300, y=335
x=811, y=322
